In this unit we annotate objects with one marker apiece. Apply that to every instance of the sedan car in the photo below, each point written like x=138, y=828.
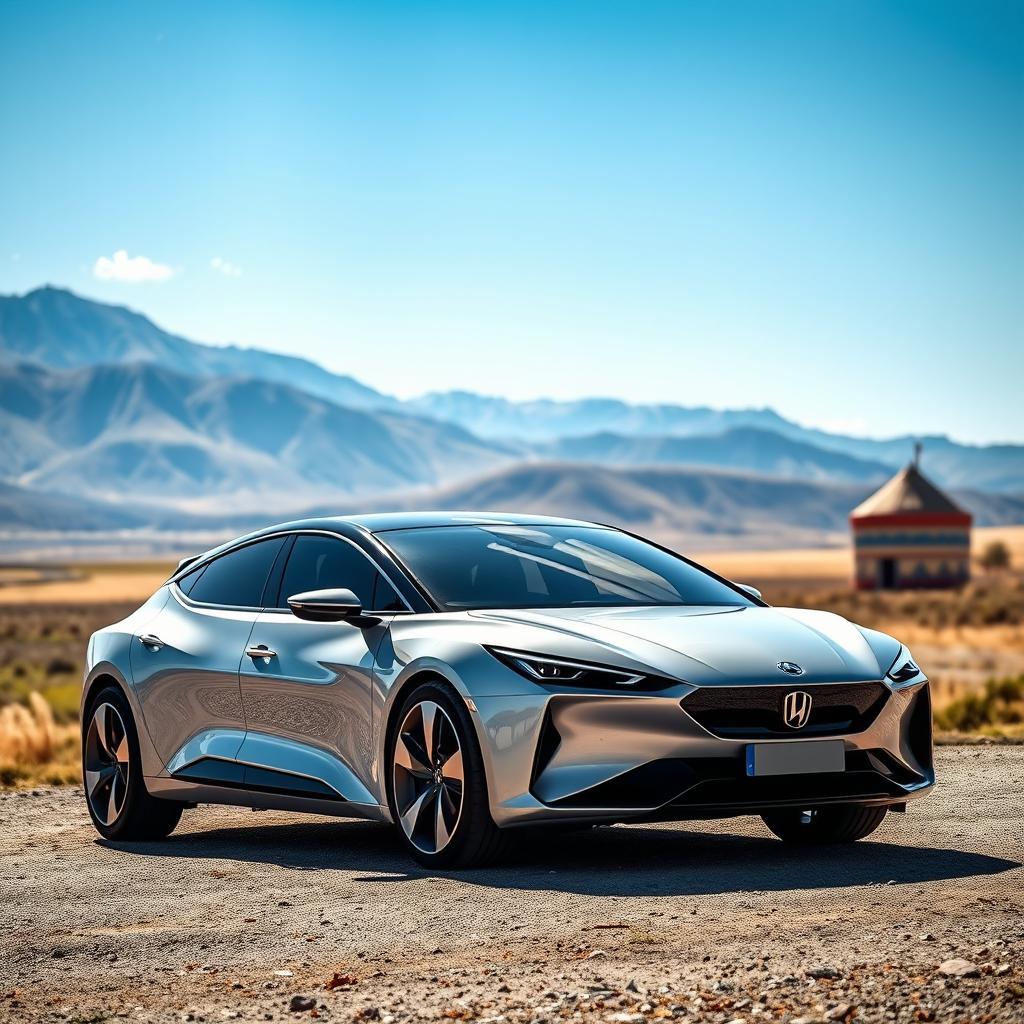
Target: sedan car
x=465, y=675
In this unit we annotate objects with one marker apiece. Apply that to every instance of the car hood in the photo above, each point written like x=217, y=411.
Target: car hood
x=709, y=645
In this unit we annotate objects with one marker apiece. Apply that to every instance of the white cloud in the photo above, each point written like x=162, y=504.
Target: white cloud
x=224, y=267
x=123, y=267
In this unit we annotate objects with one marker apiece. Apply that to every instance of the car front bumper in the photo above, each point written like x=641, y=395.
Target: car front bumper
x=593, y=757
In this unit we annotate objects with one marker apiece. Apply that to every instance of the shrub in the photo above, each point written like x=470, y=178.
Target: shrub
x=996, y=555
x=1001, y=702
x=34, y=748
x=27, y=734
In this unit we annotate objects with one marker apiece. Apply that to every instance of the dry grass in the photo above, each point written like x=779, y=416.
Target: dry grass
x=42, y=653
x=988, y=603
x=42, y=650
x=34, y=748
x=997, y=711
x=84, y=584
x=796, y=567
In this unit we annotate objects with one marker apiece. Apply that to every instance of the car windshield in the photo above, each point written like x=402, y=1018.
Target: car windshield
x=465, y=567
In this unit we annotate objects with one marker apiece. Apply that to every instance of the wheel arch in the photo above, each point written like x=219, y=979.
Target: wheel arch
x=106, y=674
x=101, y=677
x=395, y=699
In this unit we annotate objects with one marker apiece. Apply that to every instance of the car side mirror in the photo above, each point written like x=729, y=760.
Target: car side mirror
x=752, y=591
x=325, y=605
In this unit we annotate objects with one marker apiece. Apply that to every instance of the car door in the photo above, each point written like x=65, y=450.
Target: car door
x=308, y=700
x=185, y=664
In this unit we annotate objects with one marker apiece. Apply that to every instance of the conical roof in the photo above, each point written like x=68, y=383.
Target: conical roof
x=910, y=493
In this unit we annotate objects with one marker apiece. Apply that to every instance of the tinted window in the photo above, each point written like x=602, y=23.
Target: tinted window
x=188, y=581
x=238, y=577
x=385, y=598
x=325, y=563
x=551, y=566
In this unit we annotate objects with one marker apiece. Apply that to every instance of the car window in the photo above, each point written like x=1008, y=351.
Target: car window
x=188, y=581
x=385, y=597
x=237, y=578
x=326, y=563
x=492, y=566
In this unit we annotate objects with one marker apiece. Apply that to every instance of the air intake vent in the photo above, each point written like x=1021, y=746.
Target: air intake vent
x=753, y=712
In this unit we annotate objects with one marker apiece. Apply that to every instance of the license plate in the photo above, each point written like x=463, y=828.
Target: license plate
x=807, y=757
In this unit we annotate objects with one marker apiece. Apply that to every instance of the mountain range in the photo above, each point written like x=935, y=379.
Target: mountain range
x=142, y=433
x=996, y=467
x=752, y=449
x=58, y=329
x=546, y=419
x=99, y=405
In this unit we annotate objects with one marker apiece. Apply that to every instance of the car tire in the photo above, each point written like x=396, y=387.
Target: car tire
x=418, y=800
x=119, y=805
x=845, y=823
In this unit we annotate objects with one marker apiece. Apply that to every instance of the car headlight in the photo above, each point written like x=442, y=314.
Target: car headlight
x=904, y=668
x=540, y=668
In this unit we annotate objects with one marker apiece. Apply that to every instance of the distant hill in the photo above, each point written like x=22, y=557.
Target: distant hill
x=991, y=467
x=998, y=468
x=547, y=419
x=141, y=433
x=55, y=328
x=743, y=448
x=23, y=509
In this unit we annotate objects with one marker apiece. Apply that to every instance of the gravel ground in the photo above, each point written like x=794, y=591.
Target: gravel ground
x=278, y=916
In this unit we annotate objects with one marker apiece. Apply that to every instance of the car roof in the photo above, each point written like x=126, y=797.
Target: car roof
x=380, y=522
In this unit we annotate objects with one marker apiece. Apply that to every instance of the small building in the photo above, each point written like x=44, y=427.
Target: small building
x=909, y=535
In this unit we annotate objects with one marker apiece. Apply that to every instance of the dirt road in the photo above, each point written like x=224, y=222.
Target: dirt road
x=276, y=916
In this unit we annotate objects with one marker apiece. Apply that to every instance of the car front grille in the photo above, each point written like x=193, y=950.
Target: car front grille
x=756, y=712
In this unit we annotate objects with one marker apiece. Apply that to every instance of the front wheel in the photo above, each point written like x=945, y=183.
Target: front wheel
x=845, y=823
x=437, y=789
x=119, y=805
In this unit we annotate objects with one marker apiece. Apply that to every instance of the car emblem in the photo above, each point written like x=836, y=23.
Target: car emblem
x=796, y=708
x=791, y=668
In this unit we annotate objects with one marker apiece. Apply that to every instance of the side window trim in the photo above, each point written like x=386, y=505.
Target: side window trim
x=380, y=581
x=272, y=588
x=184, y=597
x=197, y=573
x=282, y=563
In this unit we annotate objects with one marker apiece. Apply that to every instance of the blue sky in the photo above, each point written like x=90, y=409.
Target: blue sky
x=815, y=206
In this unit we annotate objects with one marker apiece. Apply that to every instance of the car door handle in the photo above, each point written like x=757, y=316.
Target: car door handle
x=151, y=641
x=262, y=651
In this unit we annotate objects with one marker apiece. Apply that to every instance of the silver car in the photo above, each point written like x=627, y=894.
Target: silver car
x=464, y=675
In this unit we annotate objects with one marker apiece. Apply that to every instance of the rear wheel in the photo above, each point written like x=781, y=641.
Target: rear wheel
x=845, y=823
x=115, y=793
x=437, y=789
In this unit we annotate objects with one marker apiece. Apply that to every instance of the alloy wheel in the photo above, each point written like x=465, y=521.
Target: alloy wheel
x=106, y=763
x=428, y=777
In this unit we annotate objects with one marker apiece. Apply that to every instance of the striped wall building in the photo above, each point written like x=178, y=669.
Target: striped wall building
x=909, y=535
